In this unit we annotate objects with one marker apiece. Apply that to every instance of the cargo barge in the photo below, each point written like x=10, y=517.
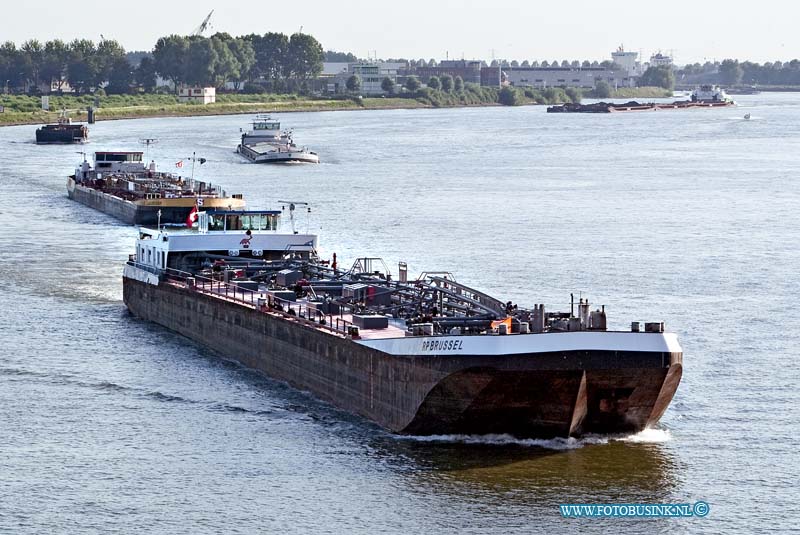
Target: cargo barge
x=121, y=185
x=64, y=131
x=267, y=143
x=703, y=97
x=416, y=356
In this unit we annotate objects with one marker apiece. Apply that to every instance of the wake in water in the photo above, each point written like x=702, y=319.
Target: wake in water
x=647, y=436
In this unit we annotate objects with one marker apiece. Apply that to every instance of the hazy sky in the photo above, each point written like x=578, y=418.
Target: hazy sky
x=694, y=31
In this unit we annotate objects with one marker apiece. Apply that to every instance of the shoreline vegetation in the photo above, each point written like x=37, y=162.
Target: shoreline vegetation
x=22, y=109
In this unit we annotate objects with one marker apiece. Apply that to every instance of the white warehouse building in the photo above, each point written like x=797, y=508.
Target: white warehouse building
x=584, y=77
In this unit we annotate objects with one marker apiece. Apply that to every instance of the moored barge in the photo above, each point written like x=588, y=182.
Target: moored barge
x=64, y=131
x=121, y=185
x=424, y=356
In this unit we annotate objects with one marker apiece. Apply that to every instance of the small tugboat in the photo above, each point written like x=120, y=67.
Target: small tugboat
x=62, y=132
x=417, y=356
x=267, y=143
x=121, y=185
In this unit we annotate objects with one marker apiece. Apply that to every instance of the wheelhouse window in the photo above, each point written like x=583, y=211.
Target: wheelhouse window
x=233, y=222
x=246, y=221
x=216, y=222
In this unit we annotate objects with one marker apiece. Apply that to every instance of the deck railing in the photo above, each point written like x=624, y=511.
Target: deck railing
x=260, y=301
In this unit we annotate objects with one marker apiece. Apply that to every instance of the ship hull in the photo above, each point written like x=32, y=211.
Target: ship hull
x=173, y=211
x=257, y=156
x=542, y=394
x=62, y=134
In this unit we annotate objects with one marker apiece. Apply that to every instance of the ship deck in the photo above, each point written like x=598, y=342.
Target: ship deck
x=336, y=323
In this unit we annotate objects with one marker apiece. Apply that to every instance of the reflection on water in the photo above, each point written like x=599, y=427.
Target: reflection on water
x=611, y=470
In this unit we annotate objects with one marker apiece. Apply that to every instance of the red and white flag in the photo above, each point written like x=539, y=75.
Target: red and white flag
x=179, y=164
x=192, y=217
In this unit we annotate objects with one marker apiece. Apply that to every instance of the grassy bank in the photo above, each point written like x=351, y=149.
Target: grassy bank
x=634, y=92
x=22, y=109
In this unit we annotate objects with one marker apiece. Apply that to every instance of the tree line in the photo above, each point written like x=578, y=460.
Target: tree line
x=81, y=63
x=275, y=59
x=734, y=72
x=444, y=83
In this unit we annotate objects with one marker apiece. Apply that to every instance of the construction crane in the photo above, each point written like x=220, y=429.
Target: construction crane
x=203, y=25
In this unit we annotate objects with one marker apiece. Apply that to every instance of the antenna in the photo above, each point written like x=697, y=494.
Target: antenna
x=292, y=206
x=195, y=158
x=301, y=29
x=147, y=141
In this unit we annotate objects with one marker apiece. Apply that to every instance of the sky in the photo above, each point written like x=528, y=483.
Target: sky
x=691, y=31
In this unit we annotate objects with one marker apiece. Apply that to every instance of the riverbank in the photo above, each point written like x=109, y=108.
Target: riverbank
x=10, y=118
x=22, y=109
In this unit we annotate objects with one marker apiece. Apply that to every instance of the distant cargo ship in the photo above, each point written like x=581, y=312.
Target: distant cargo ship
x=121, y=185
x=64, y=131
x=706, y=96
x=425, y=356
x=267, y=143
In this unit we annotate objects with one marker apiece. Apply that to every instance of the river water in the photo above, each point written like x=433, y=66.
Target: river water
x=111, y=424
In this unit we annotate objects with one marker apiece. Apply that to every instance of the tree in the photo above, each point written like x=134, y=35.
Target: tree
x=412, y=84
x=56, y=58
x=661, y=76
x=106, y=56
x=169, y=56
x=201, y=62
x=730, y=72
x=353, y=84
x=121, y=77
x=340, y=57
x=81, y=69
x=447, y=83
x=270, y=51
x=586, y=63
x=458, y=84
x=11, y=75
x=145, y=74
x=574, y=94
x=434, y=83
x=242, y=50
x=304, y=57
x=602, y=89
x=508, y=96
x=32, y=56
x=388, y=85
x=227, y=66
